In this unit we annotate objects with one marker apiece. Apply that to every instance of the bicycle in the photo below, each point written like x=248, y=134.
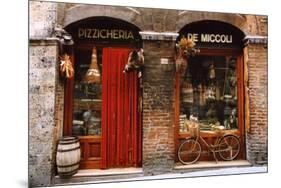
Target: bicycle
x=227, y=145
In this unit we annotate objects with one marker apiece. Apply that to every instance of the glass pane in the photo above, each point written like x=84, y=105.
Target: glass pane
x=87, y=96
x=209, y=92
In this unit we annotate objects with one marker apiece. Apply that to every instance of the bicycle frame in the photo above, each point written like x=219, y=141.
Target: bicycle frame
x=213, y=148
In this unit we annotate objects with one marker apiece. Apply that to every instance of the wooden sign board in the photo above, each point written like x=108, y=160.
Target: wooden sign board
x=104, y=30
x=213, y=34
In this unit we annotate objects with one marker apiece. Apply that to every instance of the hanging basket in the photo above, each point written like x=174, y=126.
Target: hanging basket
x=194, y=129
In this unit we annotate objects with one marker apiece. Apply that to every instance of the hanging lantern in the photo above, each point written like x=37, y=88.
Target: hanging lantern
x=93, y=73
x=66, y=67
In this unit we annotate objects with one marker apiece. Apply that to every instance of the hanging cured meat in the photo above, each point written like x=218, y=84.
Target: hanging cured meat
x=93, y=73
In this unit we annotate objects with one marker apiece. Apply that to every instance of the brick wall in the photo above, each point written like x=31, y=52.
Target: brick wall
x=256, y=25
x=59, y=106
x=158, y=111
x=256, y=138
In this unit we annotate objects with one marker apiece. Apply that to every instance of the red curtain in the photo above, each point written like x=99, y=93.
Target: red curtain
x=121, y=132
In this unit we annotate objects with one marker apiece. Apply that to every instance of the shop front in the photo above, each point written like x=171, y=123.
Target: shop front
x=209, y=84
x=129, y=94
x=103, y=106
x=103, y=101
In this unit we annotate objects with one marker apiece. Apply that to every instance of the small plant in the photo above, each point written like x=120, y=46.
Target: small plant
x=186, y=47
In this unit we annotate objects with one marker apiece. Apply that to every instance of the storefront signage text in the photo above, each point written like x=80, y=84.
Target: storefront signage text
x=209, y=38
x=93, y=33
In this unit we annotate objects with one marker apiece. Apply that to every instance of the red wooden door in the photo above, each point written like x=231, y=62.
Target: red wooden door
x=121, y=132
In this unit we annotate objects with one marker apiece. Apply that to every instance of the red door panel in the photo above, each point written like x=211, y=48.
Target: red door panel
x=120, y=127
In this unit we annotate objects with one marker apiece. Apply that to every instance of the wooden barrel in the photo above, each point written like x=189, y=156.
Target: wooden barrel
x=68, y=156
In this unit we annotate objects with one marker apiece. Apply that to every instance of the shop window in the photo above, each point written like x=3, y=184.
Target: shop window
x=208, y=91
x=87, y=96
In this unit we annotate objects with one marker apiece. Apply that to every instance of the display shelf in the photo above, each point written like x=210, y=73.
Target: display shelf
x=90, y=100
x=85, y=104
x=84, y=65
x=209, y=133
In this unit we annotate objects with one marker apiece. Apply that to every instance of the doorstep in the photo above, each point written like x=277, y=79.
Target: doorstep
x=96, y=175
x=203, y=168
x=213, y=164
x=107, y=172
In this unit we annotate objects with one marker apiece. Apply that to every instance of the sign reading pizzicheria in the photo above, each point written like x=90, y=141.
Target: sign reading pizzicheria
x=209, y=38
x=96, y=33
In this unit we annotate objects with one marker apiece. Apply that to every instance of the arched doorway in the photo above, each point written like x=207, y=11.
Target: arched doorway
x=211, y=85
x=103, y=110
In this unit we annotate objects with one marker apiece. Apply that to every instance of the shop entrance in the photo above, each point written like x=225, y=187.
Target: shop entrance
x=103, y=110
x=120, y=120
x=106, y=115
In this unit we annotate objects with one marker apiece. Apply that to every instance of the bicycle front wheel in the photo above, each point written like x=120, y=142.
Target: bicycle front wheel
x=189, y=151
x=229, y=147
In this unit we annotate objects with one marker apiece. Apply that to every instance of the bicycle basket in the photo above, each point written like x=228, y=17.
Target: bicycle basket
x=194, y=129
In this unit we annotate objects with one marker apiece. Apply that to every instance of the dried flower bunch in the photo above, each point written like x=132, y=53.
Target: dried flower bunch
x=186, y=47
x=66, y=67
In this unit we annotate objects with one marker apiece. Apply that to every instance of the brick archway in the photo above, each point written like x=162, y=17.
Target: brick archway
x=80, y=12
x=188, y=17
x=148, y=19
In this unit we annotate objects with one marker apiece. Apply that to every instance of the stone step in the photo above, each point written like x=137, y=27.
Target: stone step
x=212, y=164
x=98, y=175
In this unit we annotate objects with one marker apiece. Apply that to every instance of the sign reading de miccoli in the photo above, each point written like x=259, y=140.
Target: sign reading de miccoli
x=212, y=38
x=212, y=34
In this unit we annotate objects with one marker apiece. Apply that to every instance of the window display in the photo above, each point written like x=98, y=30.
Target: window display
x=208, y=91
x=87, y=93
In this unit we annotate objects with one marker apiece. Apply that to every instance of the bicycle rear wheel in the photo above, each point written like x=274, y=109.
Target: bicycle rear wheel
x=229, y=147
x=189, y=151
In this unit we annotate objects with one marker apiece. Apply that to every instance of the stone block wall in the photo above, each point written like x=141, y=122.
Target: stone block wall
x=45, y=119
x=42, y=18
x=257, y=136
x=158, y=111
x=42, y=123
